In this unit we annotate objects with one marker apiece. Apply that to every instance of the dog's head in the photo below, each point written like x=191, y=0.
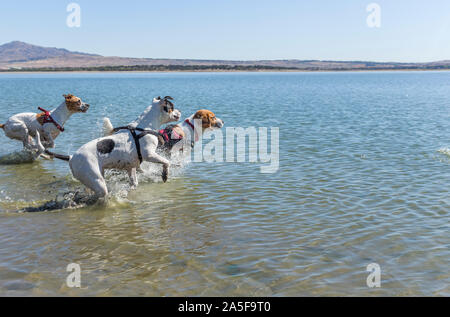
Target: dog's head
x=209, y=120
x=168, y=111
x=74, y=104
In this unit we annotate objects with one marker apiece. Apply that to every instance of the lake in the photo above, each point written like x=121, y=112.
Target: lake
x=364, y=164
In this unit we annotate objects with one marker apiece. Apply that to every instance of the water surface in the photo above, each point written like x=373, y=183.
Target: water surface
x=364, y=168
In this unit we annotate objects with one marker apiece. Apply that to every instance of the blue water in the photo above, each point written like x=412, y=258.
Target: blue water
x=364, y=167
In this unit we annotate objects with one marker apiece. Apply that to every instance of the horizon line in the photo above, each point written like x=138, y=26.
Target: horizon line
x=233, y=60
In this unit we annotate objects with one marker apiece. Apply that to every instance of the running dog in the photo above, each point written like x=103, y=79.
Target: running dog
x=177, y=137
x=44, y=127
x=125, y=148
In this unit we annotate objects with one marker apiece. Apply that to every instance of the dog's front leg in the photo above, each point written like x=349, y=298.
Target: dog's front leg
x=133, y=178
x=155, y=158
x=34, y=147
x=39, y=148
x=139, y=169
x=47, y=142
x=28, y=142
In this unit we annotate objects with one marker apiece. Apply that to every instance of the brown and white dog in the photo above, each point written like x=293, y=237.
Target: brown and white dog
x=185, y=134
x=44, y=127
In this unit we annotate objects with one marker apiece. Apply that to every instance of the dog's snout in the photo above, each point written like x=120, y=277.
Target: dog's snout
x=177, y=115
x=220, y=123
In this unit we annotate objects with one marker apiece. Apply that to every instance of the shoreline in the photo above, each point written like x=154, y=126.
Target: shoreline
x=28, y=71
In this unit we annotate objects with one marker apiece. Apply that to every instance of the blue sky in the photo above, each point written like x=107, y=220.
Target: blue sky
x=411, y=30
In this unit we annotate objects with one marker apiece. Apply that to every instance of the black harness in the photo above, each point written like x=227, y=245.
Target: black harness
x=168, y=105
x=137, y=137
x=166, y=141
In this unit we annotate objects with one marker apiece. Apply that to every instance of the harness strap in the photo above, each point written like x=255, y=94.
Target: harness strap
x=193, y=130
x=136, y=137
x=49, y=119
x=138, y=144
x=189, y=122
x=137, y=129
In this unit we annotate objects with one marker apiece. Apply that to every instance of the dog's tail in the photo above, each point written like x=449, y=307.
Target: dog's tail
x=2, y=126
x=58, y=156
x=108, y=128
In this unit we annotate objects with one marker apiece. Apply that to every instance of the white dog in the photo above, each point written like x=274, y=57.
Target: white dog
x=44, y=127
x=125, y=150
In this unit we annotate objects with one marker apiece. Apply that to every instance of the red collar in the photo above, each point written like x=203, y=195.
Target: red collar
x=189, y=122
x=48, y=119
x=193, y=128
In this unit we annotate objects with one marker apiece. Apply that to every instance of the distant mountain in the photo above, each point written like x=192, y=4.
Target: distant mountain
x=15, y=52
x=19, y=55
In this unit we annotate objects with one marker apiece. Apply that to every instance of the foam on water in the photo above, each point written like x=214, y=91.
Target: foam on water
x=445, y=151
x=78, y=199
x=118, y=186
x=4, y=197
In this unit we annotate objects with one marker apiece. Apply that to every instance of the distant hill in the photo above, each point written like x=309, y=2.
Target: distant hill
x=23, y=56
x=19, y=52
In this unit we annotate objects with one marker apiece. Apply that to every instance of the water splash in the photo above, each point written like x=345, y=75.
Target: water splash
x=118, y=185
x=4, y=197
x=152, y=172
x=18, y=157
x=445, y=151
x=69, y=200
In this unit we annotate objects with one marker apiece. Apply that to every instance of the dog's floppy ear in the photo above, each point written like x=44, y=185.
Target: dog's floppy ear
x=167, y=101
x=211, y=117
x=206, y=120
x=169, y=106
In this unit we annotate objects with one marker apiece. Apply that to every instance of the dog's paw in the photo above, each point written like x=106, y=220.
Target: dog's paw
x=165, y=174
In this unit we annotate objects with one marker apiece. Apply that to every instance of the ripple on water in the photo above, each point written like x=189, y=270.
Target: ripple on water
x=362, y=179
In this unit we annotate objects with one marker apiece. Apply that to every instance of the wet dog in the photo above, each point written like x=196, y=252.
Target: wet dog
x=124, y=148
x=39, y=131
x=175, y=138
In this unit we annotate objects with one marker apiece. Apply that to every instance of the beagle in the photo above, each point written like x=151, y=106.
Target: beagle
x=44, y=127
x=123, y=148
